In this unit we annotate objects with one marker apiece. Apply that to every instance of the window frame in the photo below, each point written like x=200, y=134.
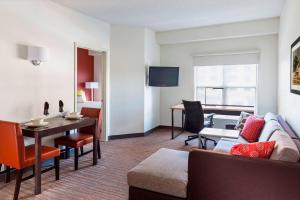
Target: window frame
x=224, y=87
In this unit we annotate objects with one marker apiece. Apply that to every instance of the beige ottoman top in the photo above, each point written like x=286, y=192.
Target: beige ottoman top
x=165, y=172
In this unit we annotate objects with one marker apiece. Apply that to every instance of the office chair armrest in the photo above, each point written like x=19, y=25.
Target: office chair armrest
x=210, y=116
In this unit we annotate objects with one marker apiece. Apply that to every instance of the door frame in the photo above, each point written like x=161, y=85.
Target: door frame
x=104, y=87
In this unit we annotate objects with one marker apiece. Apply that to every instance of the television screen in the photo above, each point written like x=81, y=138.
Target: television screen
x=163, y=76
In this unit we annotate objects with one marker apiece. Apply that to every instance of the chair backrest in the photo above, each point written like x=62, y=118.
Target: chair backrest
x=93, y=113
x=12, y=150
x=194, y=116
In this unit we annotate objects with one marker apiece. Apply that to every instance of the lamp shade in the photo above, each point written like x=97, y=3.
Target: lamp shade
x=91, y=85
x=37, y=53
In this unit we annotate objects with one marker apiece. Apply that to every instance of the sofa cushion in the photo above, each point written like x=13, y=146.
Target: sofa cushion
x=252, y=128
x=268, y=130
x=240, y=139
x=270, y=116
x=285, y=148
x=164, y=171
x=224, y=145
x=241, y=121
x=254, y=150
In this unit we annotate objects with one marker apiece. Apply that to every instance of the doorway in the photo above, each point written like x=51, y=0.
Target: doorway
x=90, y=82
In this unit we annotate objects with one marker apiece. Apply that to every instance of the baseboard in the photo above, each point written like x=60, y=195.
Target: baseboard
x=151, y=131
x=169, y=127
x=124, y=136
x=132, y=135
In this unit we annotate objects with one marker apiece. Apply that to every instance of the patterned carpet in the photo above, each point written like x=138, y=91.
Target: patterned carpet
x=107, y=180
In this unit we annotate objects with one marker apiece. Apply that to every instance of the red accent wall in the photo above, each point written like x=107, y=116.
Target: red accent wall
x=85, y=71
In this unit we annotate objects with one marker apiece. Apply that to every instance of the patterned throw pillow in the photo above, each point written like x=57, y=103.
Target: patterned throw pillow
x=252, y=128
x=241, y=121
x=254, y=150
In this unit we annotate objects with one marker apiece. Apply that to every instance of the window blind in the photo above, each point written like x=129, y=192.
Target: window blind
x=236, y=58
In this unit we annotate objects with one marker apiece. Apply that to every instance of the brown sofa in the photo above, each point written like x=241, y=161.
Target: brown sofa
x=214, y=176
x=211, y=175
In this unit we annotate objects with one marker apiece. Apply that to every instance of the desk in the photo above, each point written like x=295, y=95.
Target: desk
x=221, y=110
x=56, y=125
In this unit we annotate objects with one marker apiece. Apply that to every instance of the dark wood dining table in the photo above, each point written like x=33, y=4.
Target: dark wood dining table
x=56, y=125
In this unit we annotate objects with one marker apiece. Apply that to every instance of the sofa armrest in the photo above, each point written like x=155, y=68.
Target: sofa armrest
x=213, y=176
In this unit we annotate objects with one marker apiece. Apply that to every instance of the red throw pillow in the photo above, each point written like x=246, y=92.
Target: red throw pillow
x=252, y=128
x=254, y=150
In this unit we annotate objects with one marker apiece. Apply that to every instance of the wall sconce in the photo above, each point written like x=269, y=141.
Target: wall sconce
x=37, y=55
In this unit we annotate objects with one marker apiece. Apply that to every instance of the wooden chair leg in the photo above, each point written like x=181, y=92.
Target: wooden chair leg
x=99, y=149
x=76, y=158
x=0, y=167
x=81, y=150
x=7, y=174
x=33, y=170
x=56, y=165
x=67, y=152
x=18, y=183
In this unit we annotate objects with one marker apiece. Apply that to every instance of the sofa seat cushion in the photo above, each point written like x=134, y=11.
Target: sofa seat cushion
x=224, y=145
x=240, y=139
x=268, y=130
x=285, y=148
x=164, y=171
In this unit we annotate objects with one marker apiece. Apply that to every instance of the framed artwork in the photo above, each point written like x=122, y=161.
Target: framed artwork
x=295, y=67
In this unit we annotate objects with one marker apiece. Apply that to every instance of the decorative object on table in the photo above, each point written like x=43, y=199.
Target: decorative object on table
x=37, y=55
x=92, y=86
x=61, y=106
x=73, y=116
x=295, y=67
x=46, y=108
x=37, y=122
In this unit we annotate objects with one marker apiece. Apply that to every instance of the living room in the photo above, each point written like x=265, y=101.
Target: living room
x=232, y=56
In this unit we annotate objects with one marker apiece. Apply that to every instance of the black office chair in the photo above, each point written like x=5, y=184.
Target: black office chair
x=194, y=121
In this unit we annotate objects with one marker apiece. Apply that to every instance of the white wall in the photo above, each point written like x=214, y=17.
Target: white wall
x=288, y=103
x=223, y=31
x=134, y=106
x=181, y=55
x=127, y=80
x=24, y=87
x=152, y=94
x=98, y=74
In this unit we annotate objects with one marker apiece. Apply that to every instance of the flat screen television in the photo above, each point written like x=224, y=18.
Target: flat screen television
x=163, y=76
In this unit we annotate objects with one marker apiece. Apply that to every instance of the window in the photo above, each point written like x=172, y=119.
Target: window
x=226, y=84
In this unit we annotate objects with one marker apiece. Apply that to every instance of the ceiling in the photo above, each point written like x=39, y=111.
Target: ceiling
x=162, y=15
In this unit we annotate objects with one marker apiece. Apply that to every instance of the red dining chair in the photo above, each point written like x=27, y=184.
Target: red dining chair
x=14, y=154
x=83, y=137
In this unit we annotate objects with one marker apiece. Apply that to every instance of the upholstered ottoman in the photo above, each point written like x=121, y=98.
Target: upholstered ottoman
x=163, y=175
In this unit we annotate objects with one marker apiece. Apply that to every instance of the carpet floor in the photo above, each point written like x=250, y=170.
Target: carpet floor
x=105, y=181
